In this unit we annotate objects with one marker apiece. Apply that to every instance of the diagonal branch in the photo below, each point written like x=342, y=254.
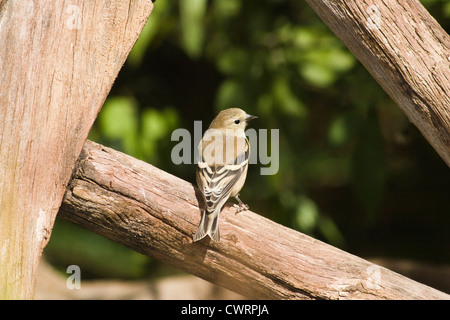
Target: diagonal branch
x=406, y=51
x=155, y=213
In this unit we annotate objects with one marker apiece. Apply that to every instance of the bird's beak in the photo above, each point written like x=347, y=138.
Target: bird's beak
x=249, y=117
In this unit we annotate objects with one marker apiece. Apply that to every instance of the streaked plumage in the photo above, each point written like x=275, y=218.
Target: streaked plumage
x=222, y=167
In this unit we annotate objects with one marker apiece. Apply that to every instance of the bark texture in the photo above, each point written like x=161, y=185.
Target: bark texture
x=58, y=61
x=157, y=214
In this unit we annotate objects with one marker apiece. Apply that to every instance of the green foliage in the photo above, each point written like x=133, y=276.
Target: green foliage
x=345, y=148
x=73, y=245
x=124, y=126
x=192, y=14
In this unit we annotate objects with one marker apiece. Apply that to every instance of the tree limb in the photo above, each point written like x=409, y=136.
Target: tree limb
x=58, y=61
x=155, y=213
x=406, y=51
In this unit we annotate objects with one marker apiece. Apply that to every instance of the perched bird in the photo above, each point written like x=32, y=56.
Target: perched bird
x=222, y=166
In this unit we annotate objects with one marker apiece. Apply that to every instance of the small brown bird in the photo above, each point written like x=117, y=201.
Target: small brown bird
x=222, y=166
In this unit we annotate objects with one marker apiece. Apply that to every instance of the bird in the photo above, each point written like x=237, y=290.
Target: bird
x=223, y=156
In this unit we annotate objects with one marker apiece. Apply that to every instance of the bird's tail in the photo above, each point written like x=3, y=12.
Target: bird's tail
x=209, y=225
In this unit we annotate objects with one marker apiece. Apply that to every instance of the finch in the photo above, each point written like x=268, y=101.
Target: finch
x=223, y=155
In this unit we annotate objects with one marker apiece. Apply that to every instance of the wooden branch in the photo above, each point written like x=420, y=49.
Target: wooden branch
x=155, y=213
x=406, y=51
x=58, y=61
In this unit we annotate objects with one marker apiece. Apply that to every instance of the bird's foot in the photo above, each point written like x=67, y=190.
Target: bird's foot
x=241, y=206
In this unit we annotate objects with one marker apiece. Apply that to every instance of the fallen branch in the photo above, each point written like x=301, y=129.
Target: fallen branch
x=155, y=213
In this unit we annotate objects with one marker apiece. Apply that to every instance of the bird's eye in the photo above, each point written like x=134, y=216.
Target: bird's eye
x=237, y=121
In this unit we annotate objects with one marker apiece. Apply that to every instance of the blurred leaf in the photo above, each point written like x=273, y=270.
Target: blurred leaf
x=317, y=74
x=265, y=104
x=285, y=99
x=304, y=37
x=308, y=219
x=323, y=66
x=232, y=93
x=156, y=125
x=227, y=9
x=118, y=122
x=340, y=61
x=234, y=62
x=330, y=231
x=192, y=13
x=338, y=132
x=343, y=128
x=446, y=10
x=307, y=214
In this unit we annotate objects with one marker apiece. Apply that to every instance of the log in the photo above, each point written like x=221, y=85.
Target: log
x=157, y=214
x=406, y=51
x=58, y=61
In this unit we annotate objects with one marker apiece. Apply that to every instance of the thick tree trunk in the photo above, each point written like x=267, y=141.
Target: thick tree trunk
x=406, y=51
x=58, y=61
x=157, y=214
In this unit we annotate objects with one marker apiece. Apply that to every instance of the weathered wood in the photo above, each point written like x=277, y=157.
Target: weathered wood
x=406, y=51
x=58, y=61
x=155, y=213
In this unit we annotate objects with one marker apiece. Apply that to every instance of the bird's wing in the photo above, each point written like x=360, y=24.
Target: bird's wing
x=216, y=181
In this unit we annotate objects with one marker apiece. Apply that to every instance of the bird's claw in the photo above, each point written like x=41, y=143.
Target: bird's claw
x=241, y=207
